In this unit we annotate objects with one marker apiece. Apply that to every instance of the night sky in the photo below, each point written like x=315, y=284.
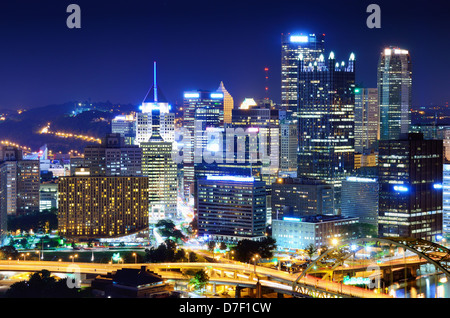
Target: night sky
x=197, y=44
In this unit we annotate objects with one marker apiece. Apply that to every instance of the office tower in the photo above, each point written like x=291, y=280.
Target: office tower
x=113, y=157
x=367, y=120
x=326, y=120
x=267, y=123
x=161, y=170
x=228, y=103
x=48, y=196
x=155, y=101
x=360, y=199
x=231, y=208
x=19, y=182
x=28, y=178
x=201, y=110
x=394, y=93
x=295, y=197
x=292, y=47
x=319, y=230
x=446, y=200
x=102, y=206
x=288, y=149
x=410, y=180
x=126, y=126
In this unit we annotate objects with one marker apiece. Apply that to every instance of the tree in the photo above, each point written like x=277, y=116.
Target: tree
x=222, y=246
x=42, y=285
x=310, y=250
x=358, y=230
x=165, y=252
x=246, y=249
x=8, y=252
x=200, y=280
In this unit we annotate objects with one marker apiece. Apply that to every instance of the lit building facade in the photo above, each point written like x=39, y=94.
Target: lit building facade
x=295, y=197
x=19, y=182
x=155, y=105
x=161, y=170
x=102, y=207
x=48, y=196
x=446, y=200
x=319, y=230
x=113, y=157
x=326, y=120
x=228, y=103
x=288, y=149
x=367, y=120
x=231, y=208
x=126, y=126
x=310, y=46
x=201, y=110
x=394, y=93
x=410, y=187
x=360, y=199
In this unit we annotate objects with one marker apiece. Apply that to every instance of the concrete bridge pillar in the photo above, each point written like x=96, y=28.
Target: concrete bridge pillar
x=237, y=293
x=258, y=290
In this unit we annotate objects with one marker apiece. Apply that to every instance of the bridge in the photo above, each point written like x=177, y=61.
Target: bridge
x=232, y=274
x=378, y=261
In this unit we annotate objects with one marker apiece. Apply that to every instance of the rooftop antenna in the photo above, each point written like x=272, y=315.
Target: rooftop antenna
x=155, y=89
x=266, y=70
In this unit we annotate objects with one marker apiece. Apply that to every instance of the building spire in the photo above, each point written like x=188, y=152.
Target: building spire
x=155, y=88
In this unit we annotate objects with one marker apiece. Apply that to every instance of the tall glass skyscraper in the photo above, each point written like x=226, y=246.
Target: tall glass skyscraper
x=394, y=93
x=410, y=179
x=326, y=120
x=161, y=170
x=201, y=110
x=367, y=120
x=310, y=46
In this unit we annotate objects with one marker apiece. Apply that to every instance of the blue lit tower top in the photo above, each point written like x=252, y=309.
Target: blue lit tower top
x=155, y=100
x=310, y=46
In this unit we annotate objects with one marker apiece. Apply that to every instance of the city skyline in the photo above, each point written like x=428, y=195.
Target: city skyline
x=200, y=44
x=224, y=150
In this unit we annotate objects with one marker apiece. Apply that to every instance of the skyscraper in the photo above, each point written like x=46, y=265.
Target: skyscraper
x=155, y=100
x=446, y=200
x=394, y=93
x=310, y=46
x=161, y=170
x=201, y=110
x=288, y=149
x=410, y=187
x=231, y=208
x=326, y=120
x=367, y=120
x=228, y=103
x=19, y=182
x=294, y=197
x=113, y=157
x=126, y=126
x=360, y=199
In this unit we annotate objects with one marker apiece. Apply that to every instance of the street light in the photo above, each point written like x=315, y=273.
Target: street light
x=135, y=258
x=334, y=242
x=73, y=257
